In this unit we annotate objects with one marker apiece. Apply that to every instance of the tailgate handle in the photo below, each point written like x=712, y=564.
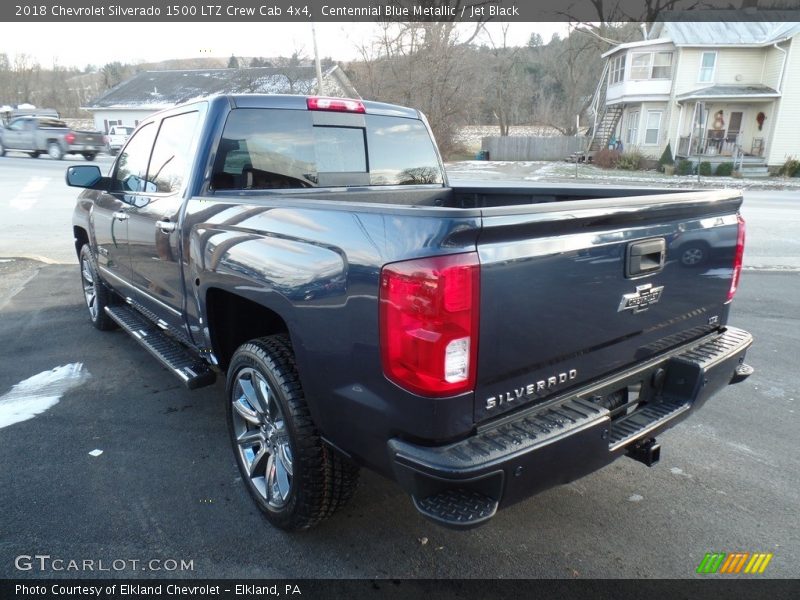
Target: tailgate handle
x=645, y=257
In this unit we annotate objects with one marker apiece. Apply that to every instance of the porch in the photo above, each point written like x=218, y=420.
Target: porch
x=717, y=148
x=726, y=124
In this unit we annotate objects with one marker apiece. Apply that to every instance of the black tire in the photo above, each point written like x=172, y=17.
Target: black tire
x=89, y=155
x=2, y=149
x=268, y=414
x=95, y=292
x=34, y=154
x=54, y=151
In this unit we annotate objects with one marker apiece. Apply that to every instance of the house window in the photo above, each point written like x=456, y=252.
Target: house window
x=653, y=127
x=640, y=65
x=708, y=62
x=651, y=65
x=617, y=70
x=662, y=65
x=632, y=136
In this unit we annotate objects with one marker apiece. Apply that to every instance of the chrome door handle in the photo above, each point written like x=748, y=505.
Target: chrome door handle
x=122, y=216
x=165, y=226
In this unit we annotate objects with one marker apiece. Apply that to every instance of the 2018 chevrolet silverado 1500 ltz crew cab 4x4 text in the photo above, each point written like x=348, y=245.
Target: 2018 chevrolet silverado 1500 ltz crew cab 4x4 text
x=475, y=343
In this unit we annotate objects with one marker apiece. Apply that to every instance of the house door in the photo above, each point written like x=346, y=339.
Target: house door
x=734, y=127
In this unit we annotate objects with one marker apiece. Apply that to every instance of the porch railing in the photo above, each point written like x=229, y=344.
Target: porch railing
x=707, y=146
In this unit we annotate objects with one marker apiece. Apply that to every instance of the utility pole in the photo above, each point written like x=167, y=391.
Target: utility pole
x=320, y=84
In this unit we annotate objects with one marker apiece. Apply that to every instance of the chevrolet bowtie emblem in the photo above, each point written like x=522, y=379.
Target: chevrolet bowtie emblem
x=642, y=299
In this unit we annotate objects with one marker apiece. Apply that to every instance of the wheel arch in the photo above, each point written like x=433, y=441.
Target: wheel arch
x=233, y=320
x=81, y=238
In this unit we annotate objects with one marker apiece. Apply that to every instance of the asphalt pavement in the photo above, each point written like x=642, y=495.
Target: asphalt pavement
x=123, y=464
x=166, y=487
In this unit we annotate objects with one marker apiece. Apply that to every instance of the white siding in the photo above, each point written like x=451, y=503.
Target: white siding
x=627, y=90
x=747, y=63
x=643, y=109
x=786, y=124
x=772, y=66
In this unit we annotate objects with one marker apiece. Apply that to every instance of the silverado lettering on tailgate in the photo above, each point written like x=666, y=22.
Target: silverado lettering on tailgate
x=532, y=389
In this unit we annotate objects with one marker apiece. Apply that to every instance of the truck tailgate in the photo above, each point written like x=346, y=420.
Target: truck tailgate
x=575, y=290
x=88, y=138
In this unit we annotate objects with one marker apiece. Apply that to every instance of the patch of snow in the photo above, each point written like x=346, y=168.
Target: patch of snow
x=36, y=394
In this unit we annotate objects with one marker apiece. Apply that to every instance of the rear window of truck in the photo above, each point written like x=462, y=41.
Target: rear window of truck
x=278, y=148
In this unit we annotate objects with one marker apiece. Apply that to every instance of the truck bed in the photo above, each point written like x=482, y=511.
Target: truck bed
x=553, y=272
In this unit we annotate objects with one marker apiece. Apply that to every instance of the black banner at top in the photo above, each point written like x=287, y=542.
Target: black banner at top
x=397, y=10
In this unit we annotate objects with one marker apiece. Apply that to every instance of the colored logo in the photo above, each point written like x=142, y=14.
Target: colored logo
x=734, y=563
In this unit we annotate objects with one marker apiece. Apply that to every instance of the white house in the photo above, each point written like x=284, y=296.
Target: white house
x=147, y=92
x=714, y=91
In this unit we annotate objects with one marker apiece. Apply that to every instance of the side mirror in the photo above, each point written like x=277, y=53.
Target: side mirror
x=83, y=176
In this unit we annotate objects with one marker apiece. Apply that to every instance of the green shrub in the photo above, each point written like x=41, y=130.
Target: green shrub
x=666, y=158
x=791, y=168
x=705, y=168
x=684, y=167
x=724, y=169
x=633, y=160
x=605, y=158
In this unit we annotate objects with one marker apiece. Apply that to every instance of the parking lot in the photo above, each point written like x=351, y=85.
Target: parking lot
x=127, y=465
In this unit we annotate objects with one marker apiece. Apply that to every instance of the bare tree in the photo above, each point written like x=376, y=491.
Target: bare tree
x=506, y=93
x=421, y=64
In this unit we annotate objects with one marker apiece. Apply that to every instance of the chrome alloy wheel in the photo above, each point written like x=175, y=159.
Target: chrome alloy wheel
x=262, y=441
x=89, y=289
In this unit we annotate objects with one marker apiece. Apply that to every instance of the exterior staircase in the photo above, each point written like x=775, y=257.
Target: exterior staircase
x=605, y=128
x=605, y=118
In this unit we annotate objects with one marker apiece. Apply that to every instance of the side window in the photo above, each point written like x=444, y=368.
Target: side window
x=708, y=61
x=17, y=125
x=132, y=163
x=401, y=152
x=170, y=159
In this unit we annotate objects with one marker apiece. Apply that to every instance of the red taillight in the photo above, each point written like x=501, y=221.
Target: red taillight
x=335, y=104
x=737, y=261
x=69, y=138
x=429, y=323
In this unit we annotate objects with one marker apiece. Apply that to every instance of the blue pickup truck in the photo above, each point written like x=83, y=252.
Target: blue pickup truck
x=475, y=343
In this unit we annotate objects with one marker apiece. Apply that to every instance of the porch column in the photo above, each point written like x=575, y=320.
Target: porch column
x=678, y=132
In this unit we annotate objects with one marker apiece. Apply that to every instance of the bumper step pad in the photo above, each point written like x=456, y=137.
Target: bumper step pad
x=188, y=367
x=645, y=419
x=457, y=508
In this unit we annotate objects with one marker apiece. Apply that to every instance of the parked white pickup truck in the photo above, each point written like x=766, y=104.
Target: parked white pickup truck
x=116, y=138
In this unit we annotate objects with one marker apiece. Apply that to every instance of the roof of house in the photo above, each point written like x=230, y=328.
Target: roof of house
x=156, y=90
x=731, y=91
x=725, y=33
x=713, y=34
